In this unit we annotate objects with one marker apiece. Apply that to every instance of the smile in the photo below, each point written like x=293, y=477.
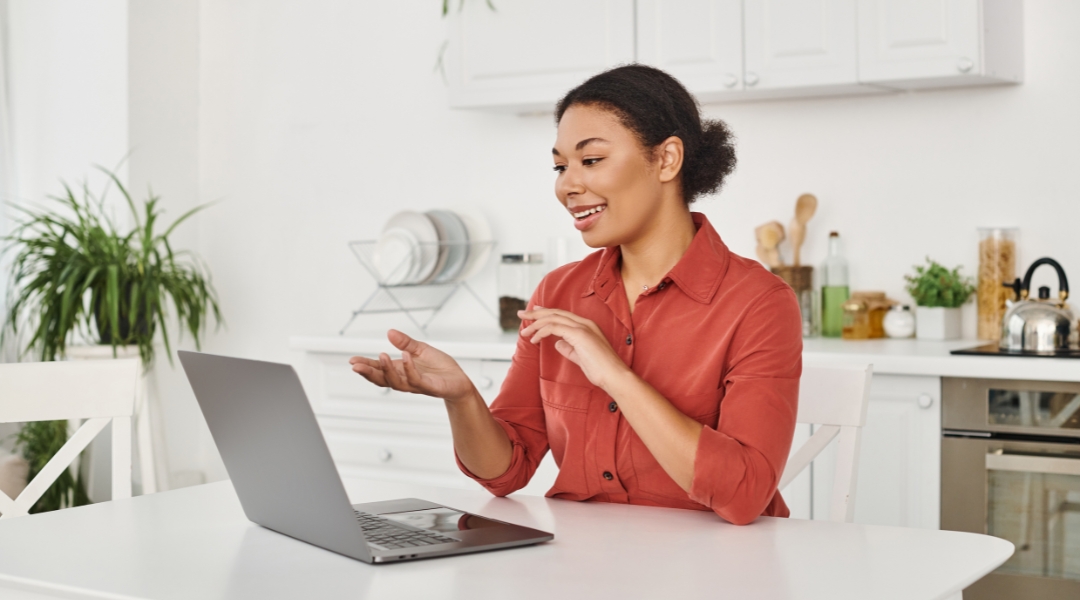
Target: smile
x=590, y=211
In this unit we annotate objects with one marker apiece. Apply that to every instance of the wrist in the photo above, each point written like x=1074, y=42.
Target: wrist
x=621, y=379
x=466, y=400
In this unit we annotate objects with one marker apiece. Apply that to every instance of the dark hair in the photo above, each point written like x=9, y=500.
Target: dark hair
x=655, y=106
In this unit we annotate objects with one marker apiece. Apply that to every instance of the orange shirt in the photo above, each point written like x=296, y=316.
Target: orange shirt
x=720, y=337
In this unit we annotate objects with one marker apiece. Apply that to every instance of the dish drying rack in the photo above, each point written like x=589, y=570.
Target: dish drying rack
x=412, y=298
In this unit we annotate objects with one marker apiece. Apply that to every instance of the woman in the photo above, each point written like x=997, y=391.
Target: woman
x=661, y=370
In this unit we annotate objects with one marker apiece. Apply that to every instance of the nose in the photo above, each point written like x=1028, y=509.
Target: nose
x=568, y=184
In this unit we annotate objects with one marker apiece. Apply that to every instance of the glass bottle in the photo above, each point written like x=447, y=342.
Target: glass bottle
x=834, y=289
x=997, y=266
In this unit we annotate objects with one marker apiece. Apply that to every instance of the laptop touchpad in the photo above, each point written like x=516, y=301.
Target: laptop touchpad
x=444, y=520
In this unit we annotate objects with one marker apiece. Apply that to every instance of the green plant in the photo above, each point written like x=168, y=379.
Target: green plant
x=934, y=285
x=74, y=272
x=39, y=441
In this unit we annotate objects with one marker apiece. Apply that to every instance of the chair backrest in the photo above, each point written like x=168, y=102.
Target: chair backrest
x=834, y=399
x=97, y=391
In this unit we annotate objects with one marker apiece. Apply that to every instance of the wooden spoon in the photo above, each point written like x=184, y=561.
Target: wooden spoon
x=805, y=207
x=769, y=237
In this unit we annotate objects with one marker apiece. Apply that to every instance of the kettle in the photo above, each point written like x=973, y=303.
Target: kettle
x=1039, y=325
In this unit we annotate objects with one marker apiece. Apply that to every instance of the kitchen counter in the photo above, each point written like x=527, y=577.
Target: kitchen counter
x=893, y=357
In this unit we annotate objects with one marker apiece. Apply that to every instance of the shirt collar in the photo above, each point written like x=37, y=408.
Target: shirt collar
x=698, y=273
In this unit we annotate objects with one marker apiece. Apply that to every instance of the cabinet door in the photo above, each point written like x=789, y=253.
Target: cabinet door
x=800, y=44
x=699, y=42
x=911, y=41
x=526, y=54
x=900, y=459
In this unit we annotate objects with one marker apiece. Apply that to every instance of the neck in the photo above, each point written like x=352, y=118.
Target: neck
x=647, y=259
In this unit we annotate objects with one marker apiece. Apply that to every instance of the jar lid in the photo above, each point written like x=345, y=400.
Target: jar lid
x=522, y=258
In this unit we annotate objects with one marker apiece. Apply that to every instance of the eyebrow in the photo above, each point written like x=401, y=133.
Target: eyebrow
x=581, y=144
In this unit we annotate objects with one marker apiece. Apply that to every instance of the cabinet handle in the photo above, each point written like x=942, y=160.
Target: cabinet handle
x=964, y=65
x=385, y=455
x=730, y=80
x=484, y=383
x=751, y=78
x=925, y=400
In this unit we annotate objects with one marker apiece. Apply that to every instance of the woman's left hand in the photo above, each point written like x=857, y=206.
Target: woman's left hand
x=581, y=341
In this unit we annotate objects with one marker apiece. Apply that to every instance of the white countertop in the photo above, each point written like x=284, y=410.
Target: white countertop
x=892, y=357
x=196, y=543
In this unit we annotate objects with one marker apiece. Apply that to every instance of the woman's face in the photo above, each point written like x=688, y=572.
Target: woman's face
x=606, y=179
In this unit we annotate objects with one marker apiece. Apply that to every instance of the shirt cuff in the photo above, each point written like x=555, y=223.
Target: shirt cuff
x=507, y=482
x=729, y=480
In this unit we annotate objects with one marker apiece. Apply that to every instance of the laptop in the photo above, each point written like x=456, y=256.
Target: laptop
x=278, y=461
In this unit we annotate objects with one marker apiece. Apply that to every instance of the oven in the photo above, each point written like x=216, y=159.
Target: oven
x=1010, y=468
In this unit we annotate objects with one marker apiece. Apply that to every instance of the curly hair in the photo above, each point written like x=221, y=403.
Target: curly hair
x=655, y=106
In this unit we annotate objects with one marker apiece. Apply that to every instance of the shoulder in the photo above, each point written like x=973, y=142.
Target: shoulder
x=753, y=283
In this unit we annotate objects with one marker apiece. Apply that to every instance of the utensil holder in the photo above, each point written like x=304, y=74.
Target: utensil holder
x=801, y=280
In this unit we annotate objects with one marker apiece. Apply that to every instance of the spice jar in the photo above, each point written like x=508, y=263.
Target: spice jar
x=518, y=276
x=864, y=315
x=997, y=265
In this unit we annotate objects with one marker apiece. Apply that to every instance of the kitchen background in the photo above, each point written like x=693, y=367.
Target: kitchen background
x=312, y=123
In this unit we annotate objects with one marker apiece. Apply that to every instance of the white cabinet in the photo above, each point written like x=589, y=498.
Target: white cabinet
x=911, y=44
x=377, y=433
x=800, y=44
x=527, y=54
x=699, y=42
x=900, y=461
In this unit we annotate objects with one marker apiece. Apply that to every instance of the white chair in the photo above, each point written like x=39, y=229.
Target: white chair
x=834, y=399
x=98, y=391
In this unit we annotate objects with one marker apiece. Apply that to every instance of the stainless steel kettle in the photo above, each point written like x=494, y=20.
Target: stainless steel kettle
x=1039, y=325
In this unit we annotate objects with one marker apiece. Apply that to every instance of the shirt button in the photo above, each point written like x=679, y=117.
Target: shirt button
x=608, y=475
x=662, y=284
x=613, y=407
x=629, y=340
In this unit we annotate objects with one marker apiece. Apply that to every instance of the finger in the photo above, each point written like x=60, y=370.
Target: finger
x=412, y=375
x=363, y=360
x=393, y=378
x=549, y=319
x=564, y=348
x=372, y=374
x=539, y=312
x=405, y=343
x=566, y=332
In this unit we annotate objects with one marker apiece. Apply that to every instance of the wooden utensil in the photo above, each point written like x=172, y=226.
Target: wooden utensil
x=805, y=207
x=769, y=237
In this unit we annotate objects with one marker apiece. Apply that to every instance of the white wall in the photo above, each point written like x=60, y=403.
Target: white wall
x=318, y=120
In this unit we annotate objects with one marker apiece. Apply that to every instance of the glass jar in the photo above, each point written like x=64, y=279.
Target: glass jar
x=518, y=276
x=997, y=266
x=855, y=320
x=899, y=322
x=801, y=280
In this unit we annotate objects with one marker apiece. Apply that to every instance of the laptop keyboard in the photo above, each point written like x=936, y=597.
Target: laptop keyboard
x=385, y=534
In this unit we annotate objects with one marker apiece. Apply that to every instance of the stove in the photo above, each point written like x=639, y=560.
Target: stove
x=994, y=350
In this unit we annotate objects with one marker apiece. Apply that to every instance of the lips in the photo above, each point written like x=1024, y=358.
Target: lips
x=587, y=216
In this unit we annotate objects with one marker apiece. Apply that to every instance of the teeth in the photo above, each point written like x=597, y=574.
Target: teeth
x=585, y=213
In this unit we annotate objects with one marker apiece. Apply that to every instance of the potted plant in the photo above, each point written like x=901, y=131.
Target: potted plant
x=938, y=294
x=75, y=274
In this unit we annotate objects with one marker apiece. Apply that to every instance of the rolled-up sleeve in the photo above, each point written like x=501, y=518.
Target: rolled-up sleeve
x=738, y=465
x=520, y=411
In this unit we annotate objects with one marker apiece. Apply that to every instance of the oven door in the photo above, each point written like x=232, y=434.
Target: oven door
x=1027, y=492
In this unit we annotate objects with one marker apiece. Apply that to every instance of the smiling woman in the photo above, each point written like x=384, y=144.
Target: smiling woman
x=662, y=369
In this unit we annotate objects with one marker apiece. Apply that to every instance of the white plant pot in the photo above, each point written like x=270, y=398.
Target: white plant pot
x=937, y=323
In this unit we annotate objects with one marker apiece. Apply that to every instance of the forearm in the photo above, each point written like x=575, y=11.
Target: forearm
x=481, y=444
x=670, y=436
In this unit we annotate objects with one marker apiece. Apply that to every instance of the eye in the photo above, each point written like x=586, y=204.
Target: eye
x=588, y=162
x=559, y=168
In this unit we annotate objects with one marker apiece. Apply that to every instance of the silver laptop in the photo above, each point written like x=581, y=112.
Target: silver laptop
x=278, y=461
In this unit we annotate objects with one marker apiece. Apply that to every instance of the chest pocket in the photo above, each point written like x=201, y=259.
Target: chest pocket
x=566, y=408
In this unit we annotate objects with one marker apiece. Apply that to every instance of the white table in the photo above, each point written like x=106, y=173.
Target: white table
x=196, y=543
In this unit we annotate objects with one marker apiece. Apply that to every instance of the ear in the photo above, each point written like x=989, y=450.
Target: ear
x=669, y=158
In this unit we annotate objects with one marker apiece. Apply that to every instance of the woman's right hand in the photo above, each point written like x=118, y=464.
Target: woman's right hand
x=421, y=369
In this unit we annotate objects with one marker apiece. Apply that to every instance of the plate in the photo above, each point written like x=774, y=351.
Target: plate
x=443, y=249
x=479, y=231
x=396, y=256
x=455, y=240
x=424, y=231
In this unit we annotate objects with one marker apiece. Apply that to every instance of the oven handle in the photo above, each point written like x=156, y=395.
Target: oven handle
x=1026, y=463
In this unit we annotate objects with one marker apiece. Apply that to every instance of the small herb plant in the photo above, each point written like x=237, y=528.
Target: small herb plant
x=933, y=285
